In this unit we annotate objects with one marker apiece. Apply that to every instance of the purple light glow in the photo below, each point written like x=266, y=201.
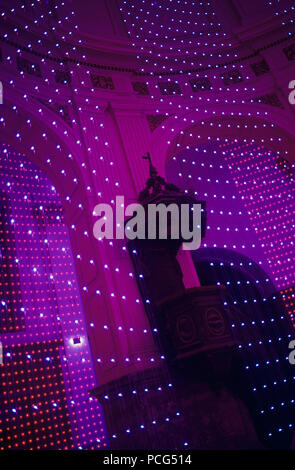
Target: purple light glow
x=51, y=315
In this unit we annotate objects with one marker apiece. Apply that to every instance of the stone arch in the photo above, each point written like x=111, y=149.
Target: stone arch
x=70, y=183
x=39, y=261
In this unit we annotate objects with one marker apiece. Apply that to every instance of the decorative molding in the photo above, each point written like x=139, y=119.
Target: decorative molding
x=260, y=68
x=62, y=110
x=155, y=120
x=289, y=52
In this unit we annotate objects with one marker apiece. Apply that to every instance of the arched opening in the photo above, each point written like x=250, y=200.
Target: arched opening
x=261, y=326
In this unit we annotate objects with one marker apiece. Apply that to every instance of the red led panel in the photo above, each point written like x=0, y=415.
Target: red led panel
x=33, y=410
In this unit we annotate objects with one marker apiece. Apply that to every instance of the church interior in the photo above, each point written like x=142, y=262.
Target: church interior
x=127, y=344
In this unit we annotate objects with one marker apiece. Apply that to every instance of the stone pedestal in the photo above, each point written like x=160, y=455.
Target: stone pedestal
x=195, y=323
x=186, y=402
